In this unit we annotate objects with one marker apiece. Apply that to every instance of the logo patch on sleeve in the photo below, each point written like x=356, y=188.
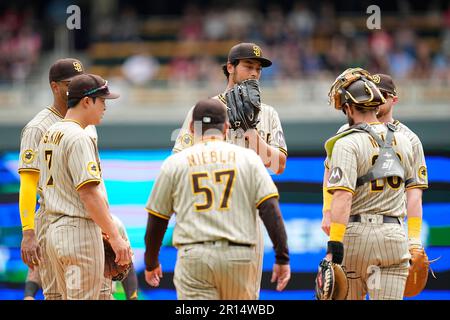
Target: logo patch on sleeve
x=335, y=175
x=28, y=156
x=186, y=140
x=423, y=172
x=93, y=169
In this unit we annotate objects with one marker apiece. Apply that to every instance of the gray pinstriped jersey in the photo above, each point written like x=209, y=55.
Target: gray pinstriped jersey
x=214, y=188
x=68, y=160
x=353, y=155
x=31, y=136
x=419, y=165
x=269, y=129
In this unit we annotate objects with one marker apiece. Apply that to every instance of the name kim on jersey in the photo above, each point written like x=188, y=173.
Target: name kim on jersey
x=54, y=138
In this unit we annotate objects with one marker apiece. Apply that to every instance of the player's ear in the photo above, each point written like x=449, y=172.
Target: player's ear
x=230, y=67
x=349, y=109
x=226, y=126
x=86, y=101
x=394, y=99
x=54, y=86
x=191, y=127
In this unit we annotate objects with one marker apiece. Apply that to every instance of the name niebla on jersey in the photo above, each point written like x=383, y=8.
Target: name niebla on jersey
x=211, y=157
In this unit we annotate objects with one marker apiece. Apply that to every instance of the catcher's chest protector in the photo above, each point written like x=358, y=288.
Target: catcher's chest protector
x=387, y=164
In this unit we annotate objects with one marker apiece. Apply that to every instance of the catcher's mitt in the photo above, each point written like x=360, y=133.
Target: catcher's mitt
x=244, y=105
x=113, y=270
x=331, y=281
x=418, y=272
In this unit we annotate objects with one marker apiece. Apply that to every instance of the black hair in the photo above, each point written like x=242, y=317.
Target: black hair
x=358, y=108
x=225, y=69
x=74, y=101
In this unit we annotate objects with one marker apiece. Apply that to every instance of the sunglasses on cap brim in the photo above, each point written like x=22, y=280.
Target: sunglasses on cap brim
x=102, y=88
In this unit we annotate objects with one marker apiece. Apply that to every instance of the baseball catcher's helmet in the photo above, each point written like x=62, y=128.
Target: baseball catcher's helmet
x=355, y=86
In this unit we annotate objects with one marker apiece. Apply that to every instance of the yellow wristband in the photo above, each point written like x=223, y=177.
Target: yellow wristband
x=337, y=231
x=327, y=197
x=414, y=227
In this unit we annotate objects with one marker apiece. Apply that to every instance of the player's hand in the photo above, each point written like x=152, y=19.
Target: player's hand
x=122, y=250
x=30, y=250
x=281, y=273
x=326, y=222
x=153, y=277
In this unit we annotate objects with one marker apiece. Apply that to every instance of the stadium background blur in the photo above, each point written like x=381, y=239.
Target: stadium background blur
x=163, y=56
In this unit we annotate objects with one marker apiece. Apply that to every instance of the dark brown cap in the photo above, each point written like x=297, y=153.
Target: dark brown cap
x=89, y=85
x=385, y=83
x=209, y=111
x=247, y=50
x=65, y=69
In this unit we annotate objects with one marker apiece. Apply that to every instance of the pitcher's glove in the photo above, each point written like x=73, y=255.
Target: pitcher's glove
x=331, y=281
x=113, y=270
x=418, y=272
x=244, y=105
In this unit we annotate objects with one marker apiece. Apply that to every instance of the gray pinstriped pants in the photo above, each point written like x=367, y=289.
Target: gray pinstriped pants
x=376, y=259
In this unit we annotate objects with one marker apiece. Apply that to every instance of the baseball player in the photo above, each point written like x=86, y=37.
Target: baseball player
x=414, y=193
x=371, y=165
x=245, y=61
x=215, y=189
x=33, y=228
x=75, y=205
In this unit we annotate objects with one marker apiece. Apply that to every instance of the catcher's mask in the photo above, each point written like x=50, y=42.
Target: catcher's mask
x=355, y=86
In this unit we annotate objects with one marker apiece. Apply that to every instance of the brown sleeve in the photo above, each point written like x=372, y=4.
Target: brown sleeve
x=270, y=214
x=156, y=228
x=130, y=284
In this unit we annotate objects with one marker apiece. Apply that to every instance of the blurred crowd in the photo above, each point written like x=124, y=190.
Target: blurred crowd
x=303, y=43
x=20, y=44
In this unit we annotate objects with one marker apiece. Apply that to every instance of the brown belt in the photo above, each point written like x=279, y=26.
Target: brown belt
x=229, y=243
x=386, y=219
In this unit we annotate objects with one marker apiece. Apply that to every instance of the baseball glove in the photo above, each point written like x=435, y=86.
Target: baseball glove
x=244, y=105
x=113, y=270
x=331, y=281
x=418, y=272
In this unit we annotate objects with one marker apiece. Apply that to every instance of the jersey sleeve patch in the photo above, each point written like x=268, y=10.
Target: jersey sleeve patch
x=93, y=169
x=335, y=175
x=186, y=140
x=28, y=156
x=423, y=174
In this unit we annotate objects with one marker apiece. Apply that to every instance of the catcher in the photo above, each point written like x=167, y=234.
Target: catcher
x=370, y=167
x=419, y=263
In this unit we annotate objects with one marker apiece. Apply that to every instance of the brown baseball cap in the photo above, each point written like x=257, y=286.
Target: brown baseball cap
x=385, y=83
x=209, y=111
x=89, y=85
x=65, y=69
x=246, y=50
